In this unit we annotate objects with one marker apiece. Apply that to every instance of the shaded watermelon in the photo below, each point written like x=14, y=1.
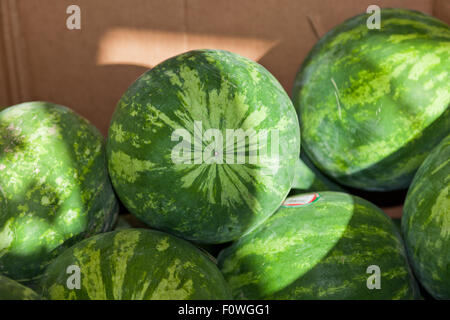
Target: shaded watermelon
x=308, y=178
x=172, y=157
x=373, y=103
x=12, y=290
x=135, y=264
x=426, y=222
x=54, y=186
x=320, y=246
x=122, y=223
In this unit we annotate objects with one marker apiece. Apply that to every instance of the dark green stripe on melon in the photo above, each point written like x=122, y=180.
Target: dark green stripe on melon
x=135, y=264
x=54, y=186
x=320, y=250
x=122, y=223
x=373, y=103
x=426, y=222
x=204, y=202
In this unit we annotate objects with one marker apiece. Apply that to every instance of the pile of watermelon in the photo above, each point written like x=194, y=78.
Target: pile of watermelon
x=214, y=184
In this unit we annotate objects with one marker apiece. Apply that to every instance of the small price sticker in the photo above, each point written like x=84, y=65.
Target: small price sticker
x=301, y=200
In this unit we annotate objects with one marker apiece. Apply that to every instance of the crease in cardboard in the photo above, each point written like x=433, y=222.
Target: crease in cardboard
x=23, y=72
x=15, y=75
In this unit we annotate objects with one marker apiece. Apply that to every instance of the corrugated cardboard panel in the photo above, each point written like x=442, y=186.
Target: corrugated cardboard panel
x=89, y=69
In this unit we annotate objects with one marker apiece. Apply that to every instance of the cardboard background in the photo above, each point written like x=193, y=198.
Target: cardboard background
x=89, y=69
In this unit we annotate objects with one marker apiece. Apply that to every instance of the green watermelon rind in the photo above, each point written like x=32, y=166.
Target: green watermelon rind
x=308, y=178
x=135, y=264
x=320, y=251
x=425, y=222
x=54, y=185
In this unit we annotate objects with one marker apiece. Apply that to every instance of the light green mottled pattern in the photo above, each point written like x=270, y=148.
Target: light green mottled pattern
x=54, y=186
x=12, y=290
x=208, y=201
x=135, y=264
x=426, y=222
x=320, y=251
x=373, y=103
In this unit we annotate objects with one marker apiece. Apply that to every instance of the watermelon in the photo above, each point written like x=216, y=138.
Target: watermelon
x=372, y=103
x=134, y=264
x=204, y=146
x=12, y=290
x=54, y=186
x=426, y=222
x=323, y=245
x=307, y=178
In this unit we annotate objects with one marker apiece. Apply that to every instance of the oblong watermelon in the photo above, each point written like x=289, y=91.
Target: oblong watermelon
x=54, y=186
x=426, y=222
x=134, y=264
x=12, y=290
x=323, y=245
x=372, y=103
x=174, y=154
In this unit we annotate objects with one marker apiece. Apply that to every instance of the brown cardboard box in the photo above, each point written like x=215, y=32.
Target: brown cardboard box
x=89, y=69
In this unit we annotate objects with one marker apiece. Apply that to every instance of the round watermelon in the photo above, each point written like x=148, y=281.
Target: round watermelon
x=326, y=245
x=12, y=290
x=372, y=103
x=426, y=222
x=54, y=186
x=204, y=146
x=134, y=264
